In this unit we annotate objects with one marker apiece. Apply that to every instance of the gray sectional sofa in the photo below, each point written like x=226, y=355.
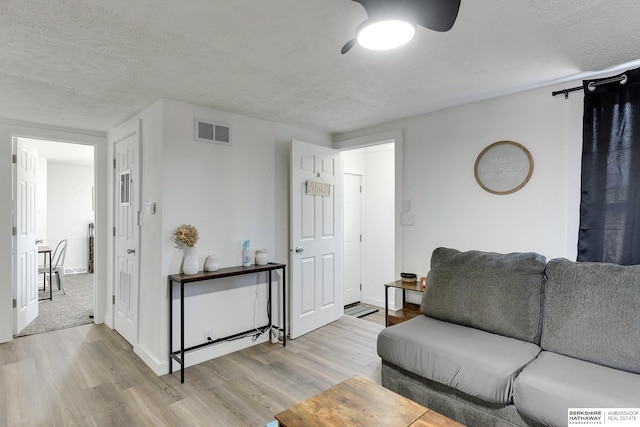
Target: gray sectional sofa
x=509, y=339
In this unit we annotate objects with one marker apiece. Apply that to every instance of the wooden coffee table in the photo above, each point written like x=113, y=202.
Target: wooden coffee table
x=359, y=402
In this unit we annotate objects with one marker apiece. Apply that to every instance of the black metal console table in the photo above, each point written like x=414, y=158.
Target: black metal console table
x=183, y=279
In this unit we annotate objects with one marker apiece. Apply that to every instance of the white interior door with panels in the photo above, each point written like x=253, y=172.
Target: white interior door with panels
x=352, y=238
x=316, y=237
x=127, y=235
x=26, y=248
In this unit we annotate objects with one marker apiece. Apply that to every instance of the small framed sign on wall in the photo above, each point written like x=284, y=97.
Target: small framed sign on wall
x=503, y=167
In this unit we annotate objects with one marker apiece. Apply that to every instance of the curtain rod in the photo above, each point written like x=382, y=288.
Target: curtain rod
x=591, y=86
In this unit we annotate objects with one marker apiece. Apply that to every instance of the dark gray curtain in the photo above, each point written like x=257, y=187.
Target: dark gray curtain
x=610, y=197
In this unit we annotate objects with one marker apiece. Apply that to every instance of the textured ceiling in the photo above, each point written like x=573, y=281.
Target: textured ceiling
x=92, y=64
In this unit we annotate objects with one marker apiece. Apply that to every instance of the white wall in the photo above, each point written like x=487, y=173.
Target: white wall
x=69, y=195
x=8, y=130
x=379, y=241
x=230, y=193
x=41, y=199
x=451, y=209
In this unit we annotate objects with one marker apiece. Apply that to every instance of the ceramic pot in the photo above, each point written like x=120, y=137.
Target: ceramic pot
x=262, y=256
x=211, y=263
x=190, y=260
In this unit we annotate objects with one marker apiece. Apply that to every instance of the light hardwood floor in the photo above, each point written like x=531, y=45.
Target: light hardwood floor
x=377, y=317
x=89, y=376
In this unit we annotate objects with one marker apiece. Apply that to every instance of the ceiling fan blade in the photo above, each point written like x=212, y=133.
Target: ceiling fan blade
x=347, y=46
x=437, y=15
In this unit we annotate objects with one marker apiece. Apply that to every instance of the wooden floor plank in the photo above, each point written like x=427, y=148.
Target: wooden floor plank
x=89, y=375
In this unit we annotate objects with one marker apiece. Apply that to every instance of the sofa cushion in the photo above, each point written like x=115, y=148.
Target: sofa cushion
x=475, y=362
x=499, y=293
x=553, y=383
x=591, y=312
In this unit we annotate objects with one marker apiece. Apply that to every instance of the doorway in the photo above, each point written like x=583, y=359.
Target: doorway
x=65, y=210
x=369, y=246
x=353, y=219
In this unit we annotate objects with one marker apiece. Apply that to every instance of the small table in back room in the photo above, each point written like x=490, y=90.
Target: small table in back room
x=408, y=310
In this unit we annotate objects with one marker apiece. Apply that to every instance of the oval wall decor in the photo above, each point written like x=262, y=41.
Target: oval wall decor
x=504, y=167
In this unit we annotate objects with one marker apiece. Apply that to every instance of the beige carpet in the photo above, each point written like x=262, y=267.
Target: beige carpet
x=65, y=311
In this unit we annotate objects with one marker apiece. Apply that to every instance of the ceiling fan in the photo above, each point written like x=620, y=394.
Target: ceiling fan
x=392, y=23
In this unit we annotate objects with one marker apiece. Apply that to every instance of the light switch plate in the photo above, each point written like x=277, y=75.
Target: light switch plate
x=407, y=218
x=150, y=208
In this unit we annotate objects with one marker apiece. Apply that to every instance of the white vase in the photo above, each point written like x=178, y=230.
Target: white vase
x=190, y=260
x=262, y=257
x=211, y=263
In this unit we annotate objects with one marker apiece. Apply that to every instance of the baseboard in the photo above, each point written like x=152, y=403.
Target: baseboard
x=157, y=366
x=75, y=270
x=161, y=367
x=107, y=320
x=374, y=301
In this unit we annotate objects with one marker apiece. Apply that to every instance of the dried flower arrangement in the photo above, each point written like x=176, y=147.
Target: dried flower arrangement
x=185, y=235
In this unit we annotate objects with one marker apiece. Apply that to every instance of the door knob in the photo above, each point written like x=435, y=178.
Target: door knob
x=299, y=250
x=38, y=241
x=131, y=251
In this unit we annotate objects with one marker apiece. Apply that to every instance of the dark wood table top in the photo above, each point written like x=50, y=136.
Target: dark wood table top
x=408, y=286
x=225, y=272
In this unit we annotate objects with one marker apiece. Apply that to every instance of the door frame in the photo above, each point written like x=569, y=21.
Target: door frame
x=12, y=129
x=394, y=136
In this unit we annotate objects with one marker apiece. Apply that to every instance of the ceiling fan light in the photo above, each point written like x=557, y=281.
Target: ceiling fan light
x=383, y=35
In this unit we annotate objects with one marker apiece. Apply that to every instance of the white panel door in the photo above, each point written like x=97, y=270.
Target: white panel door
x=25, y=259
x=126, y=246
x=352, y=238
x=316, y=239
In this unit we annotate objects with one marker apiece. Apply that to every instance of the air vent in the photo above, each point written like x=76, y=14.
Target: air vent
x=210, y=131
